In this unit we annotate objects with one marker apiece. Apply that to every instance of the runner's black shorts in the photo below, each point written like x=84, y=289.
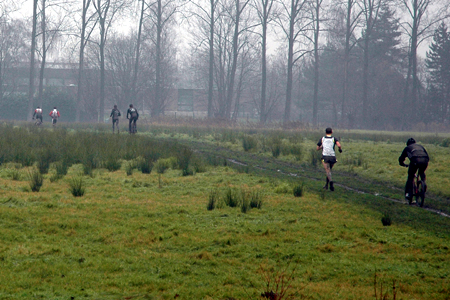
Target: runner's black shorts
x=329, y=160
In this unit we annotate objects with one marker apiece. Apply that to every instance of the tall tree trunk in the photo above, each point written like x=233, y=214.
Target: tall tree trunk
x=138, y=54
x=102, y=16
x=211, y=59
x=406, y=95
x=415, y=81
x=348, y=33
x=81, y=59
x=316, y=62
x=290, y=63
x=230, y=88
x=32, y=59
x=156, y=111
x=263, y=114
x=365, y=95
x=44, y=54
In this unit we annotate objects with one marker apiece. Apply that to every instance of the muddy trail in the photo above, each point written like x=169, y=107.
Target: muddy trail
x=270, y=166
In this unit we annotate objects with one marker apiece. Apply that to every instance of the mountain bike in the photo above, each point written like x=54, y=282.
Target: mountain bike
x=419, y=189
x=38, y=122
x=132, y=128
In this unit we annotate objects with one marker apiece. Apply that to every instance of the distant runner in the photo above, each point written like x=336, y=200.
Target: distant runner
x=133, y=116
x=327, y=144
x=115, y=114
x=38, y=114
x=418, y=161
x=54, y=114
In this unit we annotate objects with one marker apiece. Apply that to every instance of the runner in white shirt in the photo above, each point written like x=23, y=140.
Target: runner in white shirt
x=327, y=144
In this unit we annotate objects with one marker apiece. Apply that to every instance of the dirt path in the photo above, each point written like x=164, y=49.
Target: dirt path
x=278, y=168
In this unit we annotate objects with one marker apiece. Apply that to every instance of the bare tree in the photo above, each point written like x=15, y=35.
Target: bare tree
x=293, y=18
x=265, y=13
x=316, y=12
x=423, y=17
x=51, y=30
x=32, y=61
x=106, y=12
x=138, y=53
x=121, y=66
x=351, y=21
x=13, y=50
x=205, y=17
x=84, y=37
x=161, y=16
x=371, y=9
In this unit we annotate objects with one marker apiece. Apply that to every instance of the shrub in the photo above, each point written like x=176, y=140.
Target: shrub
x=298, y=190
x=36, y=180
x=249, y=142
x=161, y=165
x=283, y=189
x=198, y=165
x=386, y=220
x=184, y=157
x=144, y=165
x=213, y=199
x=275, y=146
x=245, y=205
x=77, y=186
x=231, y=198
x=445, y=142
x=62, y=167
x=314, y=157
x=129, y=168
x=255, y=200
x=293, y=149
x=44, y=161
x=15, y=174
x=89, y=164
x=112, y=164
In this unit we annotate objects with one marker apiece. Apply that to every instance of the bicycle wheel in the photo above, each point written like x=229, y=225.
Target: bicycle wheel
x=420, y=195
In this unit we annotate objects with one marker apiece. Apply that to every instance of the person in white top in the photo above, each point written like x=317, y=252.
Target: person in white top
x=327, y=144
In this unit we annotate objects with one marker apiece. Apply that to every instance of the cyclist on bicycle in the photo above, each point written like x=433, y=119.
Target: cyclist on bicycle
x=38, y=114
x=54, y=114
x=418, y=160
x=115, y=114
x=133, y=116
x=327, y=144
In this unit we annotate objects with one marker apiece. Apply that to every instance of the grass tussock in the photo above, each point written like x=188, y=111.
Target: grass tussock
x=77, y=186
x=36, y=180
x=298, y=190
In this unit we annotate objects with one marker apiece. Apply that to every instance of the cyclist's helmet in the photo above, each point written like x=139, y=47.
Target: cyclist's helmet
x=410, y=141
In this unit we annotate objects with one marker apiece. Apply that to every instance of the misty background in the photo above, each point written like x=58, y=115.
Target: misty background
x=369, y=64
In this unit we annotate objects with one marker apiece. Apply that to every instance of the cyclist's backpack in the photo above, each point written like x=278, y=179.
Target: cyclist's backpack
x=54, y=113
x=133, y=112
x=116, y=113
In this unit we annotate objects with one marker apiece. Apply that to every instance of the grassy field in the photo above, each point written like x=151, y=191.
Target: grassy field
x=152, y=236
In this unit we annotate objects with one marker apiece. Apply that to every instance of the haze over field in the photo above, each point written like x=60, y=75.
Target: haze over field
x=376, y=64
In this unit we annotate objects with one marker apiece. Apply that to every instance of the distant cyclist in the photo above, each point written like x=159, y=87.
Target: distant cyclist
x=133, y=116
x=38, y=114
x=418, y=160
x=327, y=144
x=54, y=114
x=115, y=114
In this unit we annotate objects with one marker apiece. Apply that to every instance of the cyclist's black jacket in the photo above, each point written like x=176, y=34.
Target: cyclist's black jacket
x=415, y=153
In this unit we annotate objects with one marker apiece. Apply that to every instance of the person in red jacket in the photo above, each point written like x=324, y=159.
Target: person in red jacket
x=38, y=114
x=54, y=114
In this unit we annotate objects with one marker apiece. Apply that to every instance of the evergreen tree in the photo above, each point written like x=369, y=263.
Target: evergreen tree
x=438, y=64
x=384, y=79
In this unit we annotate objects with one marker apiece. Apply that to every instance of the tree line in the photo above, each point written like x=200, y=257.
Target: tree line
x=347, y=63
